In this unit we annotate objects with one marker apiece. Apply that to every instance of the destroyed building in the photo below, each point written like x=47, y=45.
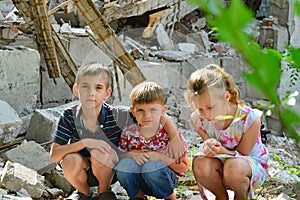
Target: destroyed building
x=42, y=43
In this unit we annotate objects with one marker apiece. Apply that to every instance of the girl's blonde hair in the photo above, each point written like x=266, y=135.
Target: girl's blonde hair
x=95, y=69
x=210, y=78
x=147, y=92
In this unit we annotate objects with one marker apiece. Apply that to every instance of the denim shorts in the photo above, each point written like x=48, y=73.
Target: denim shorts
x=154, y=178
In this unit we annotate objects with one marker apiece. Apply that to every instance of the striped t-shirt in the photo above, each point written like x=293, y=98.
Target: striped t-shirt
x=111, y=121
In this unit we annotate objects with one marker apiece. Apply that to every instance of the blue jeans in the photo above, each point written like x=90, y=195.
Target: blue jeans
x=154, y=178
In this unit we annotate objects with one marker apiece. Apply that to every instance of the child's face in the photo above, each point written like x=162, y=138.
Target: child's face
x=210, y=106
x=148, y=114
x=91, y=91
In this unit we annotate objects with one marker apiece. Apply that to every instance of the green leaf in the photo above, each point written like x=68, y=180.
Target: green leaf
x=297, y=8
x=266, y=73
x=295, y=56
x=289, y=119
x=276, y=157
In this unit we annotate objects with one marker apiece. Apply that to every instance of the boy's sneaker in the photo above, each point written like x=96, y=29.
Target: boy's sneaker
x=106, y=196
x=78, y=196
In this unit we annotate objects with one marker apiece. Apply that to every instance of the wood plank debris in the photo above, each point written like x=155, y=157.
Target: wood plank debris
x=104, y=34
x=58, y=60
x=35, y=13
x=49, y=42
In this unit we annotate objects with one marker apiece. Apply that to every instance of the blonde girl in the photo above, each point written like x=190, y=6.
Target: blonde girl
x=232, y=156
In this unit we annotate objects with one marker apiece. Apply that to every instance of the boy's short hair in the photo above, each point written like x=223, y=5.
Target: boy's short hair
x=147, y=92
x=95, y=69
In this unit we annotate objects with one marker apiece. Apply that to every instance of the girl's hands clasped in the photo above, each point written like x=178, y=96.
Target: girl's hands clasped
x=212, y=147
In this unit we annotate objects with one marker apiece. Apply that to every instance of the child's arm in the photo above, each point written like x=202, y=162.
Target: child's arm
x=176, y=147
x=139, y=156
x=249, y=138
x=195, y=121
x=58, y=152
x=179, y=168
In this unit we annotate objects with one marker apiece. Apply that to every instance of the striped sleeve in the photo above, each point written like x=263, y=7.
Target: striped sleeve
x=64, y=128
x=123, y=116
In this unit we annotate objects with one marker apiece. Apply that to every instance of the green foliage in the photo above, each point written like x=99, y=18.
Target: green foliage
x=292, y=169
x=294, y=63
x=297, y=7
x=294, y=57
x=229, y=22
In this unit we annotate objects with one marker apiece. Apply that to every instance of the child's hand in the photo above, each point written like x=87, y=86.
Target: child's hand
x=176, y=149
x=211, y=147
x=140, y=158
x=101, y=145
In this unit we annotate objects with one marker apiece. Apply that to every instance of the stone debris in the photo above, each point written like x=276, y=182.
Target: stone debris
x=10, y=123
x=173, y=55
x=27, y=152
x=43, y=121
x=16, y=177
x=168, y=34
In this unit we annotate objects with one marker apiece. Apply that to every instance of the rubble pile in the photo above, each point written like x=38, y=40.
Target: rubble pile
x=128, y=32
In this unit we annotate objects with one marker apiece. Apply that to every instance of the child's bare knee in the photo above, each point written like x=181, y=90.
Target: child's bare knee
x=100, y=158
x=72, y=160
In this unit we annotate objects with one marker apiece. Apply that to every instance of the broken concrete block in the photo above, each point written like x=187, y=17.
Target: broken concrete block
x=10, y=123
x=28, y=153
x=173, y=55
x=65, y=28
x=55, y=191
x=188, y=47
x=6, y=7
x=58, y=180
x=42, y=125
x=19, y=82
x=163, y=39
x=8, y=33
x=16, y=176
x=201, y=40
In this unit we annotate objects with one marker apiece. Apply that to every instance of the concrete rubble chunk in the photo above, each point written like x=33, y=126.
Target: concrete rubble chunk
x=6, y=7
x=163, y=39
x=10, y=123
x=173, y=55
x=43, y=123
x=58, y=180
x=17, y=177
x=55, y=191
x=19, y=82
x=28, y=153
x=188, y=47
x=9, y=33
x=4, y=195
x=42, y=126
